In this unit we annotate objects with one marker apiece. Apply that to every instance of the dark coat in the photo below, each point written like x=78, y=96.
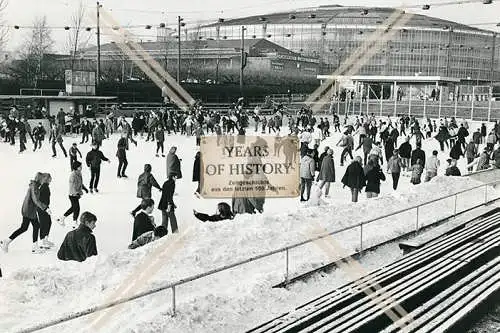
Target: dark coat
x=405, y=150
x=373, y=178
x=32, y=201
x=327, y=170
x=453, y=171
x=121, y=153
x=173, y=166
x=167, y=195
x=196, y=168
x=418, y=154
x=45, y=194
x=354, y=176
x=443, y=134
x=142, y=224
x=456, y=151
x=144, y=184
x=78, y=245
x=211, y=218
x=94, y=158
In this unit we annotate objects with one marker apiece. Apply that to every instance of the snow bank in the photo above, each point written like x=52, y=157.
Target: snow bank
x=65, y=287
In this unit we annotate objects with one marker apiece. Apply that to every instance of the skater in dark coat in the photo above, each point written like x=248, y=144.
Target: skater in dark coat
x=43, y=217
x=223, y=213
x=160, y=140
x=418, y=154
x=30, y=204
x=94, y=159
x=456, y=150
x=80, y=243
x=196, y=172
x=39, y=135
x=56, y=137
x=354, y=178
x=173, y=164
x=326, y=172
x=452, y=170
x=373, y=177
x=443, y=136
x=121, y=153
x=167, y=205
x=145, y=183
x=73, y=154
x=143, y=221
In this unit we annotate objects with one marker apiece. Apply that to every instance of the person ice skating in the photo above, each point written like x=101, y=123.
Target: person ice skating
x=28, y=212
x=97, y=135
x=160, y=140
x=44, y=218
x=471, y=153
x=394, y=166
x=431, y=166
x=326, y=174
x=373, y=176
x=307, y=173
x=223, y=213
x=405, y=153
x=482, y=162
x=453, y=170
x=354, y=178
x=167, y=205
x=21, y=128
x=73, y=152
x=143, y=221
x=196, y=172
x=76, y=189
x=38, y=135
x=93, y=160
x=144, y=184
x=347, y=142
x=80, y=244
x=417, y=154
x=148, y=237
x=56, y=137
x=121, y=153
x=173, y=164
x=495, y=157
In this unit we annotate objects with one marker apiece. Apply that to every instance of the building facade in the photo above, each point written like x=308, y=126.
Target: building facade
x=421, y=45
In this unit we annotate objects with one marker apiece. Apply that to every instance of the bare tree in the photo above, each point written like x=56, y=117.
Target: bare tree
x=3, y=29
x=32, y=67
x=76, y=39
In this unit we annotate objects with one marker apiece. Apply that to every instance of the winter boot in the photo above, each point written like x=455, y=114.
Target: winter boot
x=96, y=190
x=75, y=224
x=91, y=190
x=5, y=244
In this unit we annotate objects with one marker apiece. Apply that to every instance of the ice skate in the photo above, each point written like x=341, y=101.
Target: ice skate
x=37, y=249
x=60, y=220
x=5, y=245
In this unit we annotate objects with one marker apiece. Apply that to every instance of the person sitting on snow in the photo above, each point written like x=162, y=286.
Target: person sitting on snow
x=148, y=237
x=223, y=213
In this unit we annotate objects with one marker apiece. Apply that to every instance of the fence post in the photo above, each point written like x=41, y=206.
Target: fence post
x=455, y=211
x=425, y=99
x=490, y=97
x=409, y=103
x=286, y=266
x=381, y=97
x=440, y=105
x=361, y=238
x=416, y=225
x=456, y=101
x=395, y=98
x=173, y=300
x=472, y=104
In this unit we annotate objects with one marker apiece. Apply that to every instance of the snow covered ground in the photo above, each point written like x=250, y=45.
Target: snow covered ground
x=37, y=288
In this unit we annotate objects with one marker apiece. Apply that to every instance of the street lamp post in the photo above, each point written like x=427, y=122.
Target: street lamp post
x=179, y=24
x=242, y=65
x=98, y=74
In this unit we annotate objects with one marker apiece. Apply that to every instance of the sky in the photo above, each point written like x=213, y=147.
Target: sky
x=153, y=12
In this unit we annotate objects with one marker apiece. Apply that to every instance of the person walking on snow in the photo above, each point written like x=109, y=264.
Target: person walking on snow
x=145, y=183
x=394, y=166
x=197, y=172
x=28, y=212
x=326, y=174
x=354, y=178
x=93, y=160
x=173, y=164
x=307, y=173
x=160, y=140
x=167, y=205
x=373, y=177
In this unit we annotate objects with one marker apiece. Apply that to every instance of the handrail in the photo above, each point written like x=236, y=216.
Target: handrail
x=172, y=285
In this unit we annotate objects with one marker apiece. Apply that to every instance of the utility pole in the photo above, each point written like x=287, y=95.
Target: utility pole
x=179, y=20
x=242, y=66
x=98, y=76
x=217, y=29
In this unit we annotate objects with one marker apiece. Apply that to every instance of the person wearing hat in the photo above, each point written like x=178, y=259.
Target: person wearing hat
x=76, y=189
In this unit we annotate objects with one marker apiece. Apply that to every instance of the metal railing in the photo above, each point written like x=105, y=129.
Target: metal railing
x=285, y=250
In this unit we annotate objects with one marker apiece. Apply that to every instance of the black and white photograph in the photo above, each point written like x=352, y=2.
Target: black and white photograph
x=249, y=166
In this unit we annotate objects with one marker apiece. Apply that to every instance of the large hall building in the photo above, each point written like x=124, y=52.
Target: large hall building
x=418, y=45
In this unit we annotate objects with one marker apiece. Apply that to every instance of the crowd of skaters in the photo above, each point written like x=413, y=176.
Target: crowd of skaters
x=376, y=138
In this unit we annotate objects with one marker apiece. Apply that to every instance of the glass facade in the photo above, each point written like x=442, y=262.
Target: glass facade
x=424, y=46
